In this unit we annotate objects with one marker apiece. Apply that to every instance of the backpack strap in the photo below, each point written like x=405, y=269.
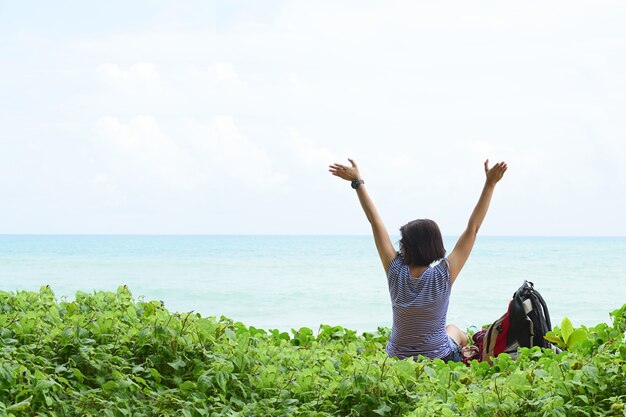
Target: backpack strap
x=545, y=309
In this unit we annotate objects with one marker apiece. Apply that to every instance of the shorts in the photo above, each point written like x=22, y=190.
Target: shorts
x=455, y=355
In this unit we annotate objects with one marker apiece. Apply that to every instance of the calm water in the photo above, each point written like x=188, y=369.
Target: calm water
x=292, y=281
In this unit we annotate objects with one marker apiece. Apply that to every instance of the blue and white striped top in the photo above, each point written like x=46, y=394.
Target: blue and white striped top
x=419, y=308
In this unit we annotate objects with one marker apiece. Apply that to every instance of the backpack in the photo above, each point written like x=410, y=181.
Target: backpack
x=523, y=325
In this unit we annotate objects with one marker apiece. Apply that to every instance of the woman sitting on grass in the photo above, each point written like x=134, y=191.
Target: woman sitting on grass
x=420, y=293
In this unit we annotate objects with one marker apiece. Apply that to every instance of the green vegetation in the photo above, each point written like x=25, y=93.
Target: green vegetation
x=566, y=336
x=106, y=354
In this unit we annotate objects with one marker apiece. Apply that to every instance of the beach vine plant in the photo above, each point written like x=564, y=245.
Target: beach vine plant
x=105, y=353
x=566, y=336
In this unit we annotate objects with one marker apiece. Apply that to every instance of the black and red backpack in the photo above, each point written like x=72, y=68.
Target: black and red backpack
x=525, y=324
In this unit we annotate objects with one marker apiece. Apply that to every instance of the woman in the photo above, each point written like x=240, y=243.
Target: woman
x=420, y=293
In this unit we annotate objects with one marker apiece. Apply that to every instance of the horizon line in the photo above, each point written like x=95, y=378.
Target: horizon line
x=287, y=235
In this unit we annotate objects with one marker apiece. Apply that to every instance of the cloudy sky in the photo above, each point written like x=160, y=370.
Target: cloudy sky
x=222, y=116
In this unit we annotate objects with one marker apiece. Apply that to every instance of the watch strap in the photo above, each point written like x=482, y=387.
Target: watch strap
x=356, y=183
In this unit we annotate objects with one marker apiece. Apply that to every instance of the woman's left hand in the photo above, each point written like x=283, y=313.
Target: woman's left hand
x=348, y=173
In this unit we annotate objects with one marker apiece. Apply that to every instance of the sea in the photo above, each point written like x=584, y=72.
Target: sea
x=289, y=282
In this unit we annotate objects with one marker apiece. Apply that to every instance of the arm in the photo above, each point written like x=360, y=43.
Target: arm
x=464, y=245
x=384, y=246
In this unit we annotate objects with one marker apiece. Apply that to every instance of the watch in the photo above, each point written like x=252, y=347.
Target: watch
x=356, y=183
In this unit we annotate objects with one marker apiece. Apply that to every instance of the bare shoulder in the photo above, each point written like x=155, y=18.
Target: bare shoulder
x=388, y=261
x=446, y=267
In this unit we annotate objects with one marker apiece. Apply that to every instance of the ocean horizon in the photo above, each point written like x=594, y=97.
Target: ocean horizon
x=293, y=281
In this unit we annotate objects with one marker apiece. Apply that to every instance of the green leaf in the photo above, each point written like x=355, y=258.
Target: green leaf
x=109, y=386
x=149, y=310
x=591, y=372
x=22, y=405
x=577, y=336
x=446, y=412
x=177, y=364
x=383, y=409
x=71, y=309
x=554, y=338
x=43, y=385
x=430, y=372
x=566, y=328
x=583, y=398
x=6, y=376
x=131, y=312
x=230, y=334
x=138, y=368
x=346, y=360
x=221, y=379
x=123, y=292
x=78, y=374
x=206, y=326
x=187, y=386
x=155, y=375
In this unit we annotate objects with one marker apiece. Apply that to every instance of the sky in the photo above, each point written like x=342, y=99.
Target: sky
x=221, y=117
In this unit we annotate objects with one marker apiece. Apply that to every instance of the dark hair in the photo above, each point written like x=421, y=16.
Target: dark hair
x=421, y=243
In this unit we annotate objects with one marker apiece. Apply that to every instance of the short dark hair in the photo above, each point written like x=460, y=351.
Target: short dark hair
x=421, y=242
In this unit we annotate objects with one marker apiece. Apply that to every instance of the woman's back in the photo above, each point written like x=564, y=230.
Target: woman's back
x=419, y=309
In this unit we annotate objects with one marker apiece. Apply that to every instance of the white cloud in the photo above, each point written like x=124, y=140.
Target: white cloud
x=146, y=151
x=238, y=157
x=137, y=89
x=224, y=71
x=142, y=72
x=207, y=154
x=308, y=152
x=105, y=181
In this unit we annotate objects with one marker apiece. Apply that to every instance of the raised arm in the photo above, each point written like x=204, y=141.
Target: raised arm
x=464, y=245
x=384, y=246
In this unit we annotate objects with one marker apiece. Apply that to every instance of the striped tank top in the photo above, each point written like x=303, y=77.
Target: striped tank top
x=419, y=309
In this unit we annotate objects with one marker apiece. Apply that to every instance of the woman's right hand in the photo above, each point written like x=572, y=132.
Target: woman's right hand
x=348, y=173
x=495, y=173
x=464, y=245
